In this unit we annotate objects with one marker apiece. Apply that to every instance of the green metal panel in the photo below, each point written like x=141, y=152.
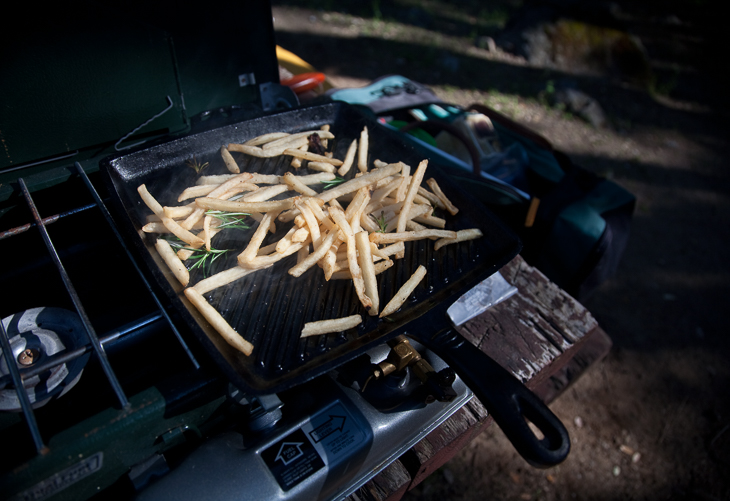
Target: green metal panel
x=81, y=77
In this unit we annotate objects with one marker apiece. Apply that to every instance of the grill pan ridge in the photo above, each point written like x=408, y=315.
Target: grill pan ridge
x=270, y=307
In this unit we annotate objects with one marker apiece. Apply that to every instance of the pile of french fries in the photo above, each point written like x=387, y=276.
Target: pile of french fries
x=351, y=231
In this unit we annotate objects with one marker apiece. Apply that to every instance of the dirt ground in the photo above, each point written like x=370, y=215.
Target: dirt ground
x=651, y=421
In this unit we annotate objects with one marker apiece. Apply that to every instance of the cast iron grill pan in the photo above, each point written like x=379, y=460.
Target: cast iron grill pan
x=269, y=307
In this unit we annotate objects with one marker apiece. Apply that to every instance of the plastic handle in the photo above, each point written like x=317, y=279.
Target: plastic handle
x=508, y=401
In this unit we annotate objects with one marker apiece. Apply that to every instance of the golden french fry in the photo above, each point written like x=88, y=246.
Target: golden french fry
x=365, y=259
x=433, y=184
x=378, y=267
x=196, y=191
x=430, y=220
x=312, y=223
x=173, y=262
x=221, y=278
x=231, y=164
x=362, y=151
x=412, y=190
x=312, y=157
x=431, y=197
x=217, y=321
x=355, y=184
x=251, y=250
x=329, y=326
x=315, y=256
x=236, y=206
x=357, y=280
x=292, y=140
x=266, y=138
x=461, y=236
x=264, y=261
x=173, y=226
x=404, y=292
x=255, y=151
x=407, y=236
x=349, y=159
x=321, y=167
x=296, y=184
x=264, y=194
x=405, y=173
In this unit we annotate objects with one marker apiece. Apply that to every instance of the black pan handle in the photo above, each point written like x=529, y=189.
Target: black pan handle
x=508, y=401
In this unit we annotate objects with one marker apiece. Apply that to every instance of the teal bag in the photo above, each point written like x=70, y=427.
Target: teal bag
x=574, y=225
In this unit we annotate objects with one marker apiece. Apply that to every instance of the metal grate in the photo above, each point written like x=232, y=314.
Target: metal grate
x=95, y=343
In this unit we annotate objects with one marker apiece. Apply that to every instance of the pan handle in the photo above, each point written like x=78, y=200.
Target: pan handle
x=508, y=401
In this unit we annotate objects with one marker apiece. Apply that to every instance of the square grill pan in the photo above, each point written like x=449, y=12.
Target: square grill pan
x=270, y=307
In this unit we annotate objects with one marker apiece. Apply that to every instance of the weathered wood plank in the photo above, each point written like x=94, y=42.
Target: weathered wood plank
x=390, y=485
x=542, y=335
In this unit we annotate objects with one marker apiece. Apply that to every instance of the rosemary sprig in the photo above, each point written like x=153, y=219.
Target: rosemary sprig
x=382, y=223
x=195, y=165
x=201, y=258
x=329, y=184
x=232, y=220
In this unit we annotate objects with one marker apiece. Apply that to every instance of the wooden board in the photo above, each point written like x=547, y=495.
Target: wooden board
x=542, y=335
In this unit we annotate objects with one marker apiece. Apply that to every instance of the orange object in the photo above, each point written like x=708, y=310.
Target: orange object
x=304, y=82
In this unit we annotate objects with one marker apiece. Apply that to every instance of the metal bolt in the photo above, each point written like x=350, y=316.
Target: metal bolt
x=28, y=357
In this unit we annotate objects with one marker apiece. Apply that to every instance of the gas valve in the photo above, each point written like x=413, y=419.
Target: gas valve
x=402, y=356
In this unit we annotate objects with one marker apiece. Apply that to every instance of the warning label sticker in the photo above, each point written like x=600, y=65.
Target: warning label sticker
x=292, y=459
x=328, y=437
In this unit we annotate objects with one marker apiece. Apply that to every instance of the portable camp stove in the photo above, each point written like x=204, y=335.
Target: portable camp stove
x=116, y=397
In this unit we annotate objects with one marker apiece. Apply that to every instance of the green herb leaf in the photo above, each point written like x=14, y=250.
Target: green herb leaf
x=232, y=220
x=334, y=182
x=195, y=165
x=382, y=223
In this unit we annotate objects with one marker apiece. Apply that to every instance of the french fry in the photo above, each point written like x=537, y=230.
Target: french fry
x=236, y=206
x=330, y=326
x=412, y=190
x=221, y=278
x=431, y=197
x=349, y=159
x=321, y=167
x=408, y=236
x=251, y=250
x=400, y=194
x=293, y=139
x=231, y=164
x=312, y=223
x=217, y=321
x=430, y=220
x=255, y=151
x=433, y=184
x=296, y=184
x=365, y=259
x=312, y=157
x=172, y=261
x=357, y=280
x=378, y=267
x=404, y=292
x=355, y=184
x=362, y=151
x=315, y=256
x=196, y=191
x=319, y=177
x=175, y=228
x=461, y=236
x=266, y=138
x=264, y=261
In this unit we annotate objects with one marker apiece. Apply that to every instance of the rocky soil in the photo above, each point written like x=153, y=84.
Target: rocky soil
x=652, y=421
